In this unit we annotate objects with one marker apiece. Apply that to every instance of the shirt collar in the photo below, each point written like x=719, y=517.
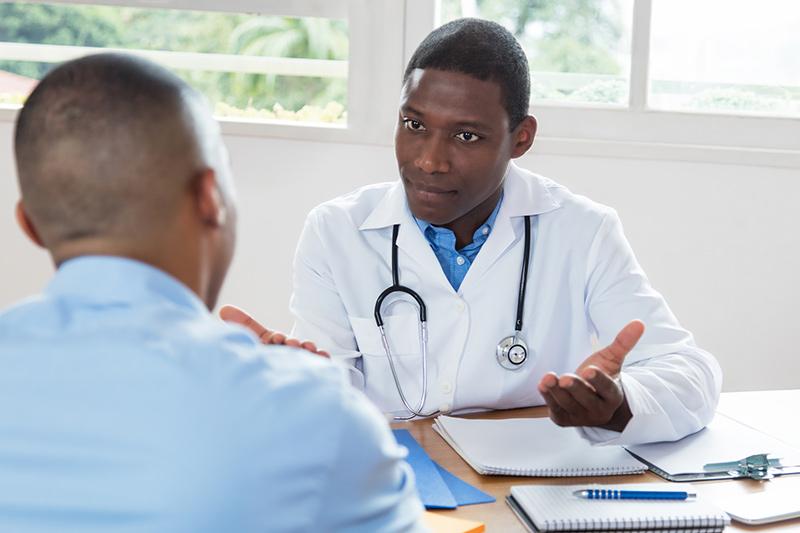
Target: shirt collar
x=111, y=279
x=480, y=235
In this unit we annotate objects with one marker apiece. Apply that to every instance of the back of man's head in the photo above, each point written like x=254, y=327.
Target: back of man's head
x=482, y=49
x=105, y=145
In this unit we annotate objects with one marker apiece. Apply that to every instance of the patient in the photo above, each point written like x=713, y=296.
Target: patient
x=124, y=405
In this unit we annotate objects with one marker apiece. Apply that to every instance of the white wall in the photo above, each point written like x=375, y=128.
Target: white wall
x=719, y=241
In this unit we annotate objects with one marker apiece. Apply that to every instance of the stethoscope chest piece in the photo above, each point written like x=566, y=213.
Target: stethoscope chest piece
x=512, y=352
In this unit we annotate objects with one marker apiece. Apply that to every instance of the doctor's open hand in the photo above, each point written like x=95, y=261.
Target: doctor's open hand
x=592, y=396
x=234, y=315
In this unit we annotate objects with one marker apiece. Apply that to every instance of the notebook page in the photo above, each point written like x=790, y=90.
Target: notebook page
x=533, y=447
x=556, y=508
x=724, y=439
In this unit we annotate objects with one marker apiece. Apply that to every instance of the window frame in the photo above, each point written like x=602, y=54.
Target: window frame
x=384, y=33
x=376, y=34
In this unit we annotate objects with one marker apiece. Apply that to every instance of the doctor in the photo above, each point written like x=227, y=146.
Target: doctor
x=520, y=278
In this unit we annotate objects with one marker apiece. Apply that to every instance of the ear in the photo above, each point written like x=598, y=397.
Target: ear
x=25, y=223
x=523, y=135
x=210, y=204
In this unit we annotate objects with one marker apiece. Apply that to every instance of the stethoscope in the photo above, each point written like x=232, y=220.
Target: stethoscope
x=511, y=353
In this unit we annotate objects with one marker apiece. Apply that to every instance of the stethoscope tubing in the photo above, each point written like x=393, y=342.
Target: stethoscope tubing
x=423, y=326
x=423, y=321
x=523, y=279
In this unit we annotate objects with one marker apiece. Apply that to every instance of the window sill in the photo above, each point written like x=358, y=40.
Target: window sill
x=551, y=141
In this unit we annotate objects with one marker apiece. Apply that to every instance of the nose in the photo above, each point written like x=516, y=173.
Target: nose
x=433, y=157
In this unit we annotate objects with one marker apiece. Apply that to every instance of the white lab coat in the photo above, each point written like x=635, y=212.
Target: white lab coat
x=584, y=284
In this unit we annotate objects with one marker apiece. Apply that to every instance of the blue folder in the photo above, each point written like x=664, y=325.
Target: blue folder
x=463, y=492
x=438, y=488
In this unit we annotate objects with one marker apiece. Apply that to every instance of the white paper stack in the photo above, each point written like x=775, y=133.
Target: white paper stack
x=531, y=447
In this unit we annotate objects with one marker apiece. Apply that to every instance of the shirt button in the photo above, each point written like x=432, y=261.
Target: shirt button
x=459, y=260
x=444, y=408
x=485, y=231
x=446, y=387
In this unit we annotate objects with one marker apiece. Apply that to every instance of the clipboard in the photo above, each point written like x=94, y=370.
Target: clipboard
x=758, y=466
x=725, y=449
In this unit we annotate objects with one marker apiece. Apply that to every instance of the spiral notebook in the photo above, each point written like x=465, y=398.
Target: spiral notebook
x=531, y=447
x=555, y=508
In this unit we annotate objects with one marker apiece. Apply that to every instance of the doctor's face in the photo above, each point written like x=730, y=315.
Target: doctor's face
x=453, y=144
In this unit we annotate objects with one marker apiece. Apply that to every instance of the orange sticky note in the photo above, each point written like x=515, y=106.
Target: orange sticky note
x=444, y=524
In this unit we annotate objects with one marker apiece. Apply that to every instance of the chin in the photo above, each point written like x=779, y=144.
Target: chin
x=428, y=215
x=435, y=214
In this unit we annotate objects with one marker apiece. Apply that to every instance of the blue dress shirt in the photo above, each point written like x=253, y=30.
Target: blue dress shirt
x=456, y=263
x=126, y=406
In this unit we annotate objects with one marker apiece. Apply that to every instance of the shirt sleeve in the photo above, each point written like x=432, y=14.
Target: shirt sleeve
x=317, y=306
x=672, y=386
x=371, y=487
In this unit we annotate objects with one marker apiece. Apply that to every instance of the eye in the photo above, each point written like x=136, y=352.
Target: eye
x=467, y=137
x=413, y=125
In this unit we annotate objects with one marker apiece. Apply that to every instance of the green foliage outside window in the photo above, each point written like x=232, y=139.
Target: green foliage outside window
x=563, y=36
x=237, y=94
x=559, y=35
x=728, y=99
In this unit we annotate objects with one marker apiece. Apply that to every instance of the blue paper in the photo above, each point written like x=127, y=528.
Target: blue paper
x=433, y=491
x=438, y=488
x=463, y=492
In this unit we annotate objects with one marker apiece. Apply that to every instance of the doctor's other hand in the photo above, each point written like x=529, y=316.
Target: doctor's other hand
x=234, y=315
x=592, y=396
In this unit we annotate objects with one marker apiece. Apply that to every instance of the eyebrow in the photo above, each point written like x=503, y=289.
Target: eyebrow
x=468, y=124
x=412, y=110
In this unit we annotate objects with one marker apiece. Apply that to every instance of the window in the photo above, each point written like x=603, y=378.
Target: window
x=742, y=62
x=251, y=67
x=711, y=56
x=629, y=78
x=717, y=80
x=579, y=52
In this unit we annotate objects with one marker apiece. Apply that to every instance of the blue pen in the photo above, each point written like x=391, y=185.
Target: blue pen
x=614, y=494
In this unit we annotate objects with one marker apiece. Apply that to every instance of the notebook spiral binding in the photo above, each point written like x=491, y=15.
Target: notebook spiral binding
x=561, y=472
x=702, y=524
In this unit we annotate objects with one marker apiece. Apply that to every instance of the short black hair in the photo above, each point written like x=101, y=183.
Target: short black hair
x=484, y=50
x=103, y=146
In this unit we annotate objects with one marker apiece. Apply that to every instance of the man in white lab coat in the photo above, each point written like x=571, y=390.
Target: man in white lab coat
x=458, y=215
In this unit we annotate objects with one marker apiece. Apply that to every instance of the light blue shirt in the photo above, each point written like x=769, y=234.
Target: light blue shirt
x=456, y=263
x=126, y=406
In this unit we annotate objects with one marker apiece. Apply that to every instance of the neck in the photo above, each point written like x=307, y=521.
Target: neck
x=176, y=261
x=465, y=227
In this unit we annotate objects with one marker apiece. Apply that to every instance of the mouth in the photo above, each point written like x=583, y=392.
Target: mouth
x=430, y=192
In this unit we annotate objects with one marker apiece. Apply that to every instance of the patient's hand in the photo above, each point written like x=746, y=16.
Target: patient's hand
x=592, y=396
x=230, y=313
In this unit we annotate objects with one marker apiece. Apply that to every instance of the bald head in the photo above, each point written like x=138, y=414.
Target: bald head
x=105, y=146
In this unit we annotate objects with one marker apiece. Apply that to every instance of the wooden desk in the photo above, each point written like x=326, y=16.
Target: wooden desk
x=498, y=517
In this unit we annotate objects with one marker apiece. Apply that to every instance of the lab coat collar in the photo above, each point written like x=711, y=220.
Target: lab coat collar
x=390, y=210
x=524, y=194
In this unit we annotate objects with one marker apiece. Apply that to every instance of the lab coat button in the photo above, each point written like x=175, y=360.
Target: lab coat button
x=446, y=387
x=460, y=305
x=444, y=408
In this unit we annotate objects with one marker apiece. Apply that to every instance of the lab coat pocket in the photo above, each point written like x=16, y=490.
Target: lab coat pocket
x=402, y=332
x=403, y=336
